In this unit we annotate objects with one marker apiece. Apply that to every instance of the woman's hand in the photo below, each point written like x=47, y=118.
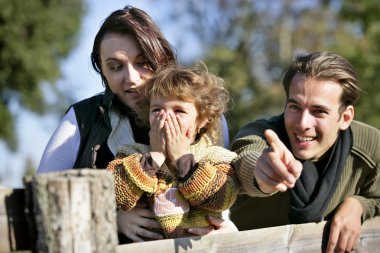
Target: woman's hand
x=219, y=226
x=134, y=223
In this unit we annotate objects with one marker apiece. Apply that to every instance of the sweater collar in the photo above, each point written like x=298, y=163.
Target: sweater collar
x=198, y=148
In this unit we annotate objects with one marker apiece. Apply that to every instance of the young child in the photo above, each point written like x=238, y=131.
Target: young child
x=183, y=175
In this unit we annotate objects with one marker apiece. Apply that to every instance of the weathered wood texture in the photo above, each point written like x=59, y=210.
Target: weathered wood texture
x=308, y=238
x=74, y=211
x=13, y=224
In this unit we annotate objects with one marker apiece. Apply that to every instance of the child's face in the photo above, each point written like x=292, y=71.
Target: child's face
x=185, y=113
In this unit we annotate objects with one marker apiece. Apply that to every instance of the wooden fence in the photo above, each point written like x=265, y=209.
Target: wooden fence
x=74, y=211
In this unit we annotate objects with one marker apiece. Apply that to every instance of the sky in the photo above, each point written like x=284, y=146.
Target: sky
x=79, y=79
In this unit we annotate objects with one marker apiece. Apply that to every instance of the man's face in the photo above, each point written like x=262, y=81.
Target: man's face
x=312, y=117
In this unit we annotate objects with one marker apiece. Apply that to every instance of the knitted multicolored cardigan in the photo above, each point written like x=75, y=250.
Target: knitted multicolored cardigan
x=178, y=203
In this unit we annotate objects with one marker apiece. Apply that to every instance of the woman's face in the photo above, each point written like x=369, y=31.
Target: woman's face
x=124, y=66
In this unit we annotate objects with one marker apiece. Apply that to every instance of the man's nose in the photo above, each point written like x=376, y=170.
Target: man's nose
x=305, y=120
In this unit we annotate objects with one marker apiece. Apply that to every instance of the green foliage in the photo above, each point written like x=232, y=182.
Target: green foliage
x=249, y=44
x=363, y=50
x=245, y=91
x=7, y=126
x=34, y=36
x=30, y=167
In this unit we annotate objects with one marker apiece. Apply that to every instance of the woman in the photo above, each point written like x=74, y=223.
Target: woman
x=127, y=49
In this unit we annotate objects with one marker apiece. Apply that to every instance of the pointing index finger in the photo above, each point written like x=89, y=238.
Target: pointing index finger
x=284, y=154
x=274, y=142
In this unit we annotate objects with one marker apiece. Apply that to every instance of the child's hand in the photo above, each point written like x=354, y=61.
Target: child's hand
x=157, y=135
x=177, y=141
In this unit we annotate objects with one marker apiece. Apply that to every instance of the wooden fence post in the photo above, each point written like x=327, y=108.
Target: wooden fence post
x=14, y=235
x=74, y=211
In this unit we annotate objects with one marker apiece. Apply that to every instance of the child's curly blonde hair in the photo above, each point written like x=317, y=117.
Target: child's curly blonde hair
x=190, y=84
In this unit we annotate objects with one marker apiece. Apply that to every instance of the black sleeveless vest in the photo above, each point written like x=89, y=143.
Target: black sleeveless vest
x=94, y=124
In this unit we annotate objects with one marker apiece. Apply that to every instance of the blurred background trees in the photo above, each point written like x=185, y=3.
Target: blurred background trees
x=247, y=42
x=34, y=36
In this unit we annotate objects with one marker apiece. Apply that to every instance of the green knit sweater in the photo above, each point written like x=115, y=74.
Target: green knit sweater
x=360, y=177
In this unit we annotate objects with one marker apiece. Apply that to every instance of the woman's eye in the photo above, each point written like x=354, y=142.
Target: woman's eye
x=115, y=67
x=155, y=110
x=143, y=64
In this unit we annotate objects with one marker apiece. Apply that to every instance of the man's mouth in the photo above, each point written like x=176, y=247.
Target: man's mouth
x=305, y=138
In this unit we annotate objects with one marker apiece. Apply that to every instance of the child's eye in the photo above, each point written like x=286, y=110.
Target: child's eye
x=180, y=111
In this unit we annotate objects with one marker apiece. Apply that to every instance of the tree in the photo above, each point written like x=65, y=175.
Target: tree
x=363, y=25
x=30, y=167
x=249, y=44
x=34, y=36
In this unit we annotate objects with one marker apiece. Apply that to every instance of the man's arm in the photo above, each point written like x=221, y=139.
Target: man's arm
x=276, y=169
x=264, y=170
x=345, y=227
x=346, y=223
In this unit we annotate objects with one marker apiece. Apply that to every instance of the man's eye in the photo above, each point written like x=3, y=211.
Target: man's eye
x=293, y=107
x=320, y=112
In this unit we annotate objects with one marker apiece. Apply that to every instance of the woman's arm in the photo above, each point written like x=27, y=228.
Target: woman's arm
x=62, y=148
x=225, y=133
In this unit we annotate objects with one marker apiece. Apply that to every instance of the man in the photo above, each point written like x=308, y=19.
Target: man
x=313, y=162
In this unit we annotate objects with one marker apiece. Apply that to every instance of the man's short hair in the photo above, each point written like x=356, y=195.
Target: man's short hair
x=325, y=66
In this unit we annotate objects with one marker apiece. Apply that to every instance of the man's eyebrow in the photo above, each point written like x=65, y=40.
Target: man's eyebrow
x=317, y=106
x=292, y=100
x=322, y=107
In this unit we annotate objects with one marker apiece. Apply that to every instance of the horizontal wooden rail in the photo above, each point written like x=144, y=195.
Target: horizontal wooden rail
x=308, y=238
x=74, y=211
